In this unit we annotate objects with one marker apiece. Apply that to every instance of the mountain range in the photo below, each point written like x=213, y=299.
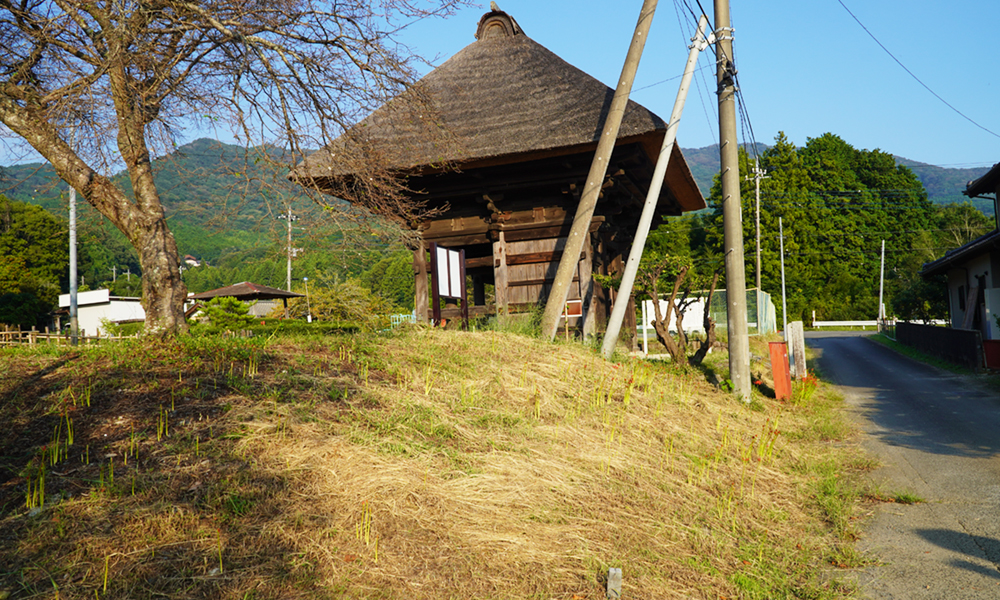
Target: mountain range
x=217, y=195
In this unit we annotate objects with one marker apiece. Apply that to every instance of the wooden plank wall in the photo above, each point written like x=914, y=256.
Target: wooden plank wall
x=526, y=282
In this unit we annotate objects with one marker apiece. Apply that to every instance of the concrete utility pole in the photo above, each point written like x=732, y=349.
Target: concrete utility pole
x=74, y=321
x=652, y=198
x=579, y=231
x=758, y=174
x=881, y=283
x=290, y=217
x=784, y=305
x=736, y=287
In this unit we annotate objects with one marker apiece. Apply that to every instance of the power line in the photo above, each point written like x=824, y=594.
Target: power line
x=668, y=79
x=926, y=87
x=699, y=70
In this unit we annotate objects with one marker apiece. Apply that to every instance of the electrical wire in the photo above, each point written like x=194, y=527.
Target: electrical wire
x=699, y=70
x=676, y=77
x=917, y=79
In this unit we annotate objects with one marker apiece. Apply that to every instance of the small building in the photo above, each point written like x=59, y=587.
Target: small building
x=262, y=298
x=496, y=145
x=97, y=306
x=973, y=270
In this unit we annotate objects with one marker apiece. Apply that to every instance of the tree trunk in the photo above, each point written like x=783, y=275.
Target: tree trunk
x=142, y=222
x=709, y=325
x=163, y=290
x=661, y=324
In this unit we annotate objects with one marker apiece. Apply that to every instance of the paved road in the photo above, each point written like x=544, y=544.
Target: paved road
x=937, y=436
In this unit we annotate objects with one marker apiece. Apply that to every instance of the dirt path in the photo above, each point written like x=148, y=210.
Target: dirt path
x=938, y=436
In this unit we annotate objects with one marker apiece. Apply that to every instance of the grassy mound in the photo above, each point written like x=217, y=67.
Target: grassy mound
x=422, y=464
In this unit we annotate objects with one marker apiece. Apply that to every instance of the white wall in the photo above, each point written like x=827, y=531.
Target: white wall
x=694, y=317
x=95, y=305
x=963, y=277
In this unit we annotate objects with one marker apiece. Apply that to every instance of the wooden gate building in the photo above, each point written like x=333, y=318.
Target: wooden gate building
x=521, y=128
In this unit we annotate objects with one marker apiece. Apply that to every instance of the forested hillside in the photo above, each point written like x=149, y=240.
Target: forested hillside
x=943, y=185
x=214, y=195
x=837, y=204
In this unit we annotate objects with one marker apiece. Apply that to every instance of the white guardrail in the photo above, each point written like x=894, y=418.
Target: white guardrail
x=862, y=324
x=865, y=324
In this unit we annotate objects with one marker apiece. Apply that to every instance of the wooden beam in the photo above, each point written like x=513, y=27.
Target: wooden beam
x=512, y=235
x=530, y=258
x=454, y=312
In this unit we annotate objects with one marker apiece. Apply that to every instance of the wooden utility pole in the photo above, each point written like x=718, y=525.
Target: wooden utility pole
x=579, y=231
x=736, y=288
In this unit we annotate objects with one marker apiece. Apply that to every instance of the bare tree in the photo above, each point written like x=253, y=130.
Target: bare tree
x=102, y=85
x=678, y=301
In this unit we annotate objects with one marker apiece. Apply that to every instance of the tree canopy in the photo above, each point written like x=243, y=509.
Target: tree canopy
x=836, y=204
x=99, y=86
x=33, y=256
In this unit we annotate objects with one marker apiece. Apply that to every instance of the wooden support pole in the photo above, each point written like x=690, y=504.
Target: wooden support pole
x=420, y=299
x=598, y=168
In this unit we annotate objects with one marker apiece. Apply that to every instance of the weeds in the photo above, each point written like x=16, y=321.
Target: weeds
x=493, y=458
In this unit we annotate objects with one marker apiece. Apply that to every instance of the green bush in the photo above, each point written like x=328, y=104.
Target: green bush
x=347, y=301
x=227, y=312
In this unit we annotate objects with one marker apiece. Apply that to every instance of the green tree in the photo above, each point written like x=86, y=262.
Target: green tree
x=228, y=312
x=392, y=279
x=34, y=254
x=343, y=301
x=837, y=204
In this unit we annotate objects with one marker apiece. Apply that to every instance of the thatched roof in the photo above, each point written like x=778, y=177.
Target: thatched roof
x=502, y=99
x=246, y=291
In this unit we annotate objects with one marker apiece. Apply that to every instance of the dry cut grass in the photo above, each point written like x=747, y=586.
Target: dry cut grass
x=426, y=464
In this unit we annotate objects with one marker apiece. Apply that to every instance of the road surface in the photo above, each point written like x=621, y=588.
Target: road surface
x=937, y=435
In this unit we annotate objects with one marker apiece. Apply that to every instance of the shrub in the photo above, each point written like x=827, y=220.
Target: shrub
x=228, y=313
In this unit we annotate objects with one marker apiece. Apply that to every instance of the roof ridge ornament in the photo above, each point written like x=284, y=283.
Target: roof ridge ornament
x=497, y=24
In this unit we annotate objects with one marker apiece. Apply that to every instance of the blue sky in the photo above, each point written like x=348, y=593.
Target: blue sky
x=806, y=67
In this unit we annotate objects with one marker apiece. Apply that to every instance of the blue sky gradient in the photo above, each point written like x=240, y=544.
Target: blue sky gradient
x=805, y=67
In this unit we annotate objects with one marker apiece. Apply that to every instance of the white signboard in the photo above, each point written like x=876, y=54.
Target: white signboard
x=449, y=273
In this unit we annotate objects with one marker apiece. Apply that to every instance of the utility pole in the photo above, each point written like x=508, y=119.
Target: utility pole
x=309, y=315
x=289, y=217
x=736, y=287
x=881, y=283
x=579, y=231
x=652, y=197
x=74, y=321
x=784, y=305
x=758, y=174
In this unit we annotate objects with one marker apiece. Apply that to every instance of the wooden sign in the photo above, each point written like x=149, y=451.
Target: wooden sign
x=448, y=272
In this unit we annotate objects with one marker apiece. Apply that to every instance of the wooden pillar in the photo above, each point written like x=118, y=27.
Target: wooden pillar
x=589, y=318
x=420, y=300
x=500, y=273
